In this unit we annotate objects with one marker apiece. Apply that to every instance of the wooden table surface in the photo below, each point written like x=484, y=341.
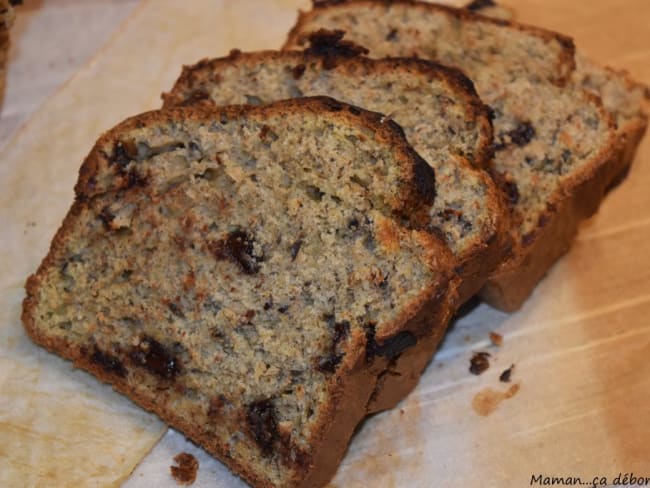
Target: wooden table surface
x=580, y=345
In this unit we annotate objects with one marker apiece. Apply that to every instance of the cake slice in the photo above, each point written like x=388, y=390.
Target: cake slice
x=238, y=271
x=555, y=146
x=451, y=36
x=442, y=118
x=625, y=99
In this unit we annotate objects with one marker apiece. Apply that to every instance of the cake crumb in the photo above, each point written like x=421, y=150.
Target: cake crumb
x=486, y=401
x=496, y=339
x=479, y=363
x=505, y=376
x=185, y=471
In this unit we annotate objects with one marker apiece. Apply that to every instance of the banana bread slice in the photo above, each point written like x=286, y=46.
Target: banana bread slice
x=227, y=270
x=625, y=99
x=554, y=146
x=451, y=36
x=442, y=118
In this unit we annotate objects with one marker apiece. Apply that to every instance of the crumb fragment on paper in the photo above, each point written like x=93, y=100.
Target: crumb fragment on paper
x=479, y=363
x=185, y=471
x=505, y=376
x=496, y=339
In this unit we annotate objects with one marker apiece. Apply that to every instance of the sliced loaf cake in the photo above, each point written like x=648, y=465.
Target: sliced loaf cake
x=625, y=99
x=442, y=118
x=238, y=272
x=554, y=146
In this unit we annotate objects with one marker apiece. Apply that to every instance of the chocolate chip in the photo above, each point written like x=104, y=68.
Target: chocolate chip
x=283, y=308
x=238, y=247
x=480, y=4
x=331, y=104
x=392, y=35
x=108, y=362
x=390, y=348
x=123, y=153
x=295, y=249
x=353, y=224
x=262, y=421
x=134, y=178
x=522, y=134
x=511, y=190
x=176, y=310
x=494, y=113
x=328, y=363
x=298, y=71
x=498, y=144
x=354, y=110
x=425, y=179
x=329, y=44
x=194, y=147
x=479, y=363
x=152, y=355
x=268, y=305
x=324, y=3
x=249, y=315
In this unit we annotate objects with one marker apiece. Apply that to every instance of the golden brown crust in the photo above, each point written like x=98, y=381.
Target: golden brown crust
x=626, y=99
x=353, y=383
x=631, y=134
x=577, y=199
x=565, y=64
